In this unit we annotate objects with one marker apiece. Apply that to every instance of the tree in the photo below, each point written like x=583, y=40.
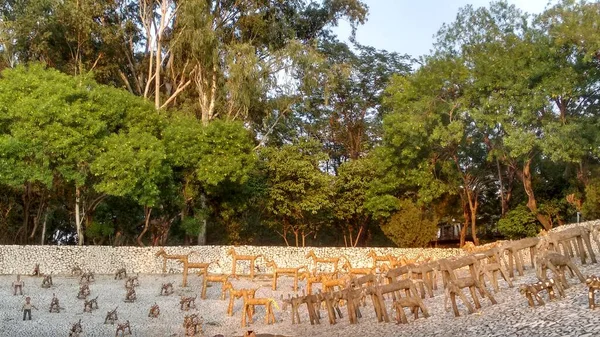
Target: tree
x=206, y=157
x=411, y=226
x=351, y=187
x=297, y=189
x=58, y=121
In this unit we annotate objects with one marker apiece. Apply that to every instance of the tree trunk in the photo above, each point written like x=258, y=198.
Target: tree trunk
x=26, y=206
x=44, y=228
x=466, y=217
x=78, y=217
x=503, y=201
x=525, y=176
x=473, y=206
x=202, y=232
x=147, y=212
x=297, y=237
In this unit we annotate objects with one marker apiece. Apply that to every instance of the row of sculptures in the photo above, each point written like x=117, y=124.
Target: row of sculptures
x=390, y=282
x=406, y=282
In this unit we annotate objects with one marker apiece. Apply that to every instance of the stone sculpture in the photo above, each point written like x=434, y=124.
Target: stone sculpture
x=76, y=329
x=18, y=285
x=154, y=311
x=120, y=274
x=123, y=328
x=111, y=316
x=47, y=281
x=166, y=289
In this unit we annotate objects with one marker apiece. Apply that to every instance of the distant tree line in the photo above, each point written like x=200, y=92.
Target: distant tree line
x=192, y=122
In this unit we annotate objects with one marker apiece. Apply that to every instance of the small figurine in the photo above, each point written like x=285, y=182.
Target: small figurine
x=54, y=304
x=27, y=308
x=18, y=284
x=76, y=329
x=122, y=327
x=47, y=281
x=111, y=316
x=36, y=270
x=166, y=289
x=84, y=291
x=154, y=311
x=130, y=296
x=120, y=274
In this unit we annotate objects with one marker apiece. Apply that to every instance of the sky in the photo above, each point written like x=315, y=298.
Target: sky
x=408, y=26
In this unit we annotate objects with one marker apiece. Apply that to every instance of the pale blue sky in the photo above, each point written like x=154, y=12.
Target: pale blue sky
x=408, y=26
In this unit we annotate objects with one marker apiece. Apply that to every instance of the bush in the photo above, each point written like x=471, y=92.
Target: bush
x=411, y=226
x=591, y=206
x=519, y=223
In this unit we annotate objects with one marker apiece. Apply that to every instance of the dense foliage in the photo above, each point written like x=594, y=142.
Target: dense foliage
x=194, y=122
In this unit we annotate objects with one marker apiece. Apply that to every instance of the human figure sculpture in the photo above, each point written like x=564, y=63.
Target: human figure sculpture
x=120, y=274
x=132, y=281
x=27, y=308
x=593, y=283
x=36, y=270
x=87, y=277
x=84, y=291
x=18, y=284
x=54, y=304
x=130, y=296
x=47, y=281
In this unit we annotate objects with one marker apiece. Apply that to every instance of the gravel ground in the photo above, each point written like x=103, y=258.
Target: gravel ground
x=569, y=316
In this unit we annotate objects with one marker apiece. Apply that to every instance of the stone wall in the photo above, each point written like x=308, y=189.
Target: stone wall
x=106, y=259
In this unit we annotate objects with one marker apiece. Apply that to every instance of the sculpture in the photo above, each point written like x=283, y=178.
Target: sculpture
x=277, y=271
x=54, y=304
x=90, y=305
x=47, y=281
x=76, y=329
x=111, y=316
x=327, y=260
x=531, y=291
x=187, y=303
x=593, y=283
x=130, y=296
x=154, y=311
x=87, y=277
x=248, y=309
x=84, y=291
x=236, y=257
x=36, y=270
x=192, y=325
x=120, y=273
x=122, y=327
x=18, y=284
x=166, y=289
x=213, y=278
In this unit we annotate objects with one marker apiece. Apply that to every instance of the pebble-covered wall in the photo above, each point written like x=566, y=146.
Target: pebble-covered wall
x=106, y=259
